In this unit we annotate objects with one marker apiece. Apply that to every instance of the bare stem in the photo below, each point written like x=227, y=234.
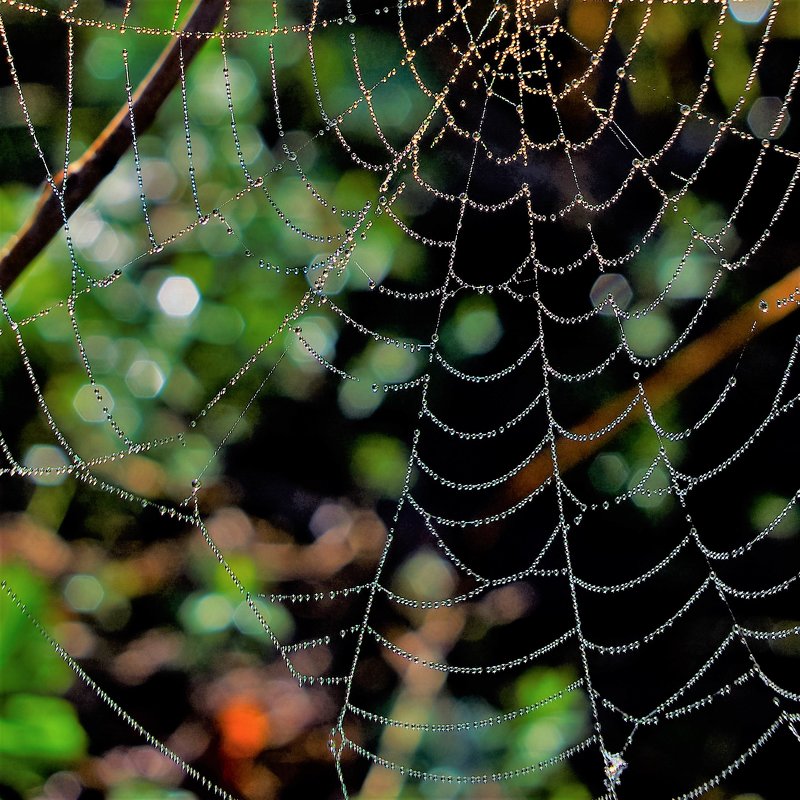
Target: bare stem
x=86, y=174
x=680, y=371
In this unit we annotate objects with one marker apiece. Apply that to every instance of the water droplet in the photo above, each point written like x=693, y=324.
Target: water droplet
x=763, y=305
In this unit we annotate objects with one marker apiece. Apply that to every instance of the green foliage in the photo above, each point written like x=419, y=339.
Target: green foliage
x=379, y=464
x=38, y=732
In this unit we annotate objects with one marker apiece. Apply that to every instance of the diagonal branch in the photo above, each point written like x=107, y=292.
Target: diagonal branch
x=85, y=175
x=680, y=371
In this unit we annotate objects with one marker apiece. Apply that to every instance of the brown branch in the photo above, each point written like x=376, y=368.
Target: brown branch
x=680, y=371
x=85, y=175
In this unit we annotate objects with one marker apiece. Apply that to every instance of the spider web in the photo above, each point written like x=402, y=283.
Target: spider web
x=527, y=328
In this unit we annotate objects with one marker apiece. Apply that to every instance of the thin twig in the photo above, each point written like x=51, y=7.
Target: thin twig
x=680, y=371
x=85, y=175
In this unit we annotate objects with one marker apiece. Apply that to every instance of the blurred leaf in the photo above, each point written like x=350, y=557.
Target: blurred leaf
x=39, y=728
x=144, y=790
x=380, y=463
x=26, y=659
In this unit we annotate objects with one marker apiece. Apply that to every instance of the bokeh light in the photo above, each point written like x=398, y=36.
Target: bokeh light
x=49, y=459
x=766, y=119
x=178, y=296
x=84, y=593
x=749, y=11
x=145, y=378
x=89, y=402
x=614, y=285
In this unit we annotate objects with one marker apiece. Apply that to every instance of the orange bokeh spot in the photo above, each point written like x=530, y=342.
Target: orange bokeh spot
x=244, y=726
